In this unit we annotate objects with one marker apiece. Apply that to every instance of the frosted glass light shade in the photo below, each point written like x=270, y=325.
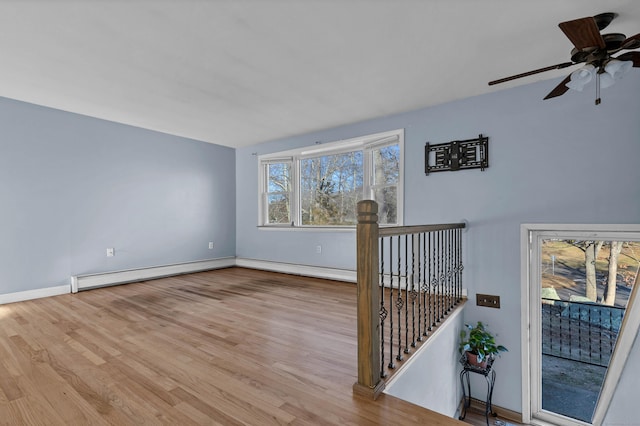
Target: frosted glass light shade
x=580, y=77
x=616, y=69
x=606, y=80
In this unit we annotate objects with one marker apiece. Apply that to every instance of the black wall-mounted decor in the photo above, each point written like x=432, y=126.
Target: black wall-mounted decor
x=457, y=155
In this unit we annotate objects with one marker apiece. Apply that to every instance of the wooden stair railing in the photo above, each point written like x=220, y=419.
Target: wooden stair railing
x=410, y=273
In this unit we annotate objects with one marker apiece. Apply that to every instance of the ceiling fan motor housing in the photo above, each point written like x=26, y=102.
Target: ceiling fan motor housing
x=604, y=19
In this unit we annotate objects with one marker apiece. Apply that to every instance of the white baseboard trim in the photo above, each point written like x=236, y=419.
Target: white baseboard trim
x=21, y=296
x=85, y=282
x=304, y=270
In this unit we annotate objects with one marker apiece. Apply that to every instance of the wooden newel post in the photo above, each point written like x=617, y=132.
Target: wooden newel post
x=369, y=382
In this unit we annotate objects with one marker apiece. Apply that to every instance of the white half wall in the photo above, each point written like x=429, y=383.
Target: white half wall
x=431, y=377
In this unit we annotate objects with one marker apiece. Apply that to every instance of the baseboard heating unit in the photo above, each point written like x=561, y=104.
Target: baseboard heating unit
x=86, y=282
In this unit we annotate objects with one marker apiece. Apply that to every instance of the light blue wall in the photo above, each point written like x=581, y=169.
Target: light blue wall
x=71, y=186
x=558, y=161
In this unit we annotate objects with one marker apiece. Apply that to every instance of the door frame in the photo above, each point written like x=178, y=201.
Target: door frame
x=530, y=234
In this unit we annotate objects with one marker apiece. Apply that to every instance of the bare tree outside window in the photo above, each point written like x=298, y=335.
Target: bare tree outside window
x=330, y=188
x=321, y=185
x=279, y=193
x=386, y=175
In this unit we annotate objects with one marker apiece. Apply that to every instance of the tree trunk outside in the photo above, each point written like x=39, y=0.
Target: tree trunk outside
x=609, y=298
x=590, y=256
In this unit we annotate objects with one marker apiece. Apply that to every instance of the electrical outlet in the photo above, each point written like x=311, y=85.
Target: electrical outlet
x=488, y=300
x=318, y=249
x=210, y=245
x=111, y=252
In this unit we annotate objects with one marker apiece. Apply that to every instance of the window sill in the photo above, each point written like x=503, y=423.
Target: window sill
x=308, y=228
x=314, y=228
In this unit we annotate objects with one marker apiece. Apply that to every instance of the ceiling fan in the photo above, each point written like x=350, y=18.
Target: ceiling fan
x=593, y=49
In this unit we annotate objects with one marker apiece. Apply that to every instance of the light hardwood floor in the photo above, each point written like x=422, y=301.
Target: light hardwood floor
x=230, y=347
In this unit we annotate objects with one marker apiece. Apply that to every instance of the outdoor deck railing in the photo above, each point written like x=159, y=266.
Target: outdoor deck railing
x=409, y=280
x=579, y=331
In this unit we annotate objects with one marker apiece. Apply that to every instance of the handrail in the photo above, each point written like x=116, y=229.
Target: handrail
x=388, y=231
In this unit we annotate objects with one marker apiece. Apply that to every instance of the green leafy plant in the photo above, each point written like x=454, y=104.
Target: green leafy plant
x=479, y=341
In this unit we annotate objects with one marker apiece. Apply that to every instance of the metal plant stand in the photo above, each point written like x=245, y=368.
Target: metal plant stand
x=490, y=376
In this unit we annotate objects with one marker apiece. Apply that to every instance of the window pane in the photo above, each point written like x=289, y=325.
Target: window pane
x=278, y=208
x=331, y=186
x=386, y=175
x=279, y=177
x=387, y=199
x=585, y=286
x=386, y=161
x=279, y=193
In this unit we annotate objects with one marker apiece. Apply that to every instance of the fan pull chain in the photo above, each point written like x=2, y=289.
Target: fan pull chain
x=598, y=100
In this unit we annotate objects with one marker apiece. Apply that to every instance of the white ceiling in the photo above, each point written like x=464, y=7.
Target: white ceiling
x=241, y=72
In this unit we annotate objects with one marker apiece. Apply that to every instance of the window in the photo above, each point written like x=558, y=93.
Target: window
x=278, y=191
x=330, y=187
x=321, y=186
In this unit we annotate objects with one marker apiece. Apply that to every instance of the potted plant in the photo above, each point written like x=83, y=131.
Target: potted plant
x=479, y=344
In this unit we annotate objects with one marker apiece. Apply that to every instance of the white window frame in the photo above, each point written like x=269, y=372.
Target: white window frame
x=264, y=180
x=366, y=144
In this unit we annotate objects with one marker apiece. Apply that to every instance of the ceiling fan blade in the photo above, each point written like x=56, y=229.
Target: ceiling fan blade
x=632, y=42
x=560, y=89
x=631, y=56
x=528, y=73
x=583, y=33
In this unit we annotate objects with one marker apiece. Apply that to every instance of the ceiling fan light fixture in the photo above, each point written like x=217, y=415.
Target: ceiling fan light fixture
x=580, y=77
x=606, y=80
x=613, y=70
x=617, y=68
